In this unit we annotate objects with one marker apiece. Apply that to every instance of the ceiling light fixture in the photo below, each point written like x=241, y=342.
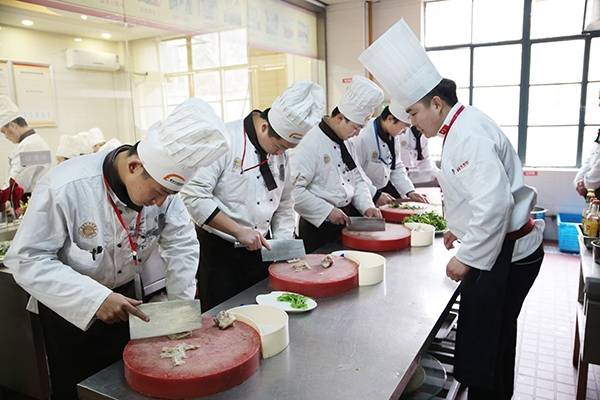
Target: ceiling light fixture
x=105, y=35
x=78, y=39
x=84, y=17
x=27, y=22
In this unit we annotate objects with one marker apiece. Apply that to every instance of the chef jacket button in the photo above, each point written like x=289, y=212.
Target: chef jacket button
x=271, y=200
x=255, y=151
x=348, y=180
x=335, y=148
x=342, y=183
x=339, y=165
x=119, y=245
x=258, y=202
x=255, y=227
x=268, y=221
x=119, y=271
x=257, y=176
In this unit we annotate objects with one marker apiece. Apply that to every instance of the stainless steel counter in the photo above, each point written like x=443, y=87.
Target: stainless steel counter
x=363, y=344
x=590, y=273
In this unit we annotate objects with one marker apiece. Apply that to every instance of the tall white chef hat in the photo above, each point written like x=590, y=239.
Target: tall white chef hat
x=8, y=111
x=96, y=136
x=399, y=63
x=70, y=146
x=192, y=136
x=111, y=144
x=85, y=136
x=297, y=110
x=399, y=112
x=360, y=100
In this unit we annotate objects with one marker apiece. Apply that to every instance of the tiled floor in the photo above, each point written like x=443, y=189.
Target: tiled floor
x=546, y=329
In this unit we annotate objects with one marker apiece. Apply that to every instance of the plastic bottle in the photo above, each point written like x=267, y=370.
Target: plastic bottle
x=592, y=221
x=589, y=197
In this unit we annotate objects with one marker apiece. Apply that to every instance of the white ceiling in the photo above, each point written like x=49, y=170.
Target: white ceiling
x=12, y=12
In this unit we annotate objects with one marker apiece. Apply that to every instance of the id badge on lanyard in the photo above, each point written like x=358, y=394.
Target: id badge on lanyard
x=133, y=245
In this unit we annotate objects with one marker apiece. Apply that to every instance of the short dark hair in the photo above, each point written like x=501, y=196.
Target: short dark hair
x=386, y=113
x=271, y=132
x=445, y=90
x=133, y=150
x=20, y=121
x=336, y=112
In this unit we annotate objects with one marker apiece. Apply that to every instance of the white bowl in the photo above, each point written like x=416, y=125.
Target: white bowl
x=371, y=266
x=420, y=234
x=272, y=324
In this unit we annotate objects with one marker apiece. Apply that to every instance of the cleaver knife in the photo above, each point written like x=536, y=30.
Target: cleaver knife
x=283, y=250
x=166, y=318
x=366, y=224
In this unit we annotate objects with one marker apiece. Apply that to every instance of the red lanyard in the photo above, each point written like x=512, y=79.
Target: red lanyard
x=445, y=130
x=132, y=240
x=244, y=157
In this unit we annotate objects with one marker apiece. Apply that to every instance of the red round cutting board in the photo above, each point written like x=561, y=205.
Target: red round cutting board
x=395, y=237
x=224, y=359
x=317, y=281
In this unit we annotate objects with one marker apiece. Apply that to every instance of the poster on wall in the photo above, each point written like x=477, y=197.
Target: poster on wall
x=34, y=94
x=4, y=79
x=184, y=16
x=275, y=25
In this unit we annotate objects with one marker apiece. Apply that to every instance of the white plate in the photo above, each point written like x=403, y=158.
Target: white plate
x=271, y=300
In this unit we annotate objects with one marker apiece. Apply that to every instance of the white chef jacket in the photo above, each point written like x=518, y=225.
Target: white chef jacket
x=27, y=177
x=322, y=180
x=589, y=172
x=243, y=197
x=375, y=159
x=484, y=194
x=419, y=171
x=68, y=216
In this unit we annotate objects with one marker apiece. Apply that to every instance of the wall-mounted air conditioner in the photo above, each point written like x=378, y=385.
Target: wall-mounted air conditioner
x=92, y=60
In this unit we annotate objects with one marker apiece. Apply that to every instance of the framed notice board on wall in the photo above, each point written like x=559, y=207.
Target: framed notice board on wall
x=5, y=79
x=34, y=92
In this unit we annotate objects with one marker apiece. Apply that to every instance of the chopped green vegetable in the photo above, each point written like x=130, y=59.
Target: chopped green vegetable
x=406, y=206
x=430, y=218
x=295, y=300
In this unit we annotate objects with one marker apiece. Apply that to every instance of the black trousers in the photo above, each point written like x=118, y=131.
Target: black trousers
x=315, y=237
x=74, y=355
x=487, y=326
x=224, y=271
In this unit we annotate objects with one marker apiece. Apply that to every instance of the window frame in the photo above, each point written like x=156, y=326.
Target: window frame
x=191, y=72
x=526, y=43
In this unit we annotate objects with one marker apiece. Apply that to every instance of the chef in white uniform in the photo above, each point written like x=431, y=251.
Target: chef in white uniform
x=246, y=196
x=588, y=176
x=92, y=223
x=31, y=158
x=377, y=149
x=414, y=151
x=329, y=184
x=487, y=206
x=94, y=139
x=70, y=146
